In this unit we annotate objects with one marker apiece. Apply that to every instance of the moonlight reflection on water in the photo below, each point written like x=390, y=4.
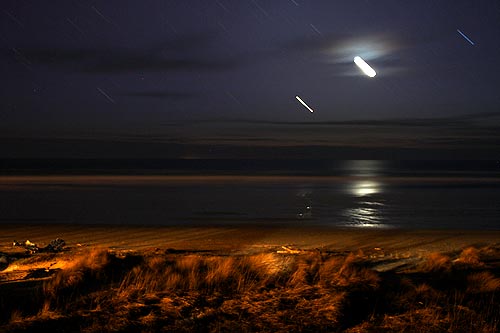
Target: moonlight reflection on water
x=367, y=213
x=364, y=188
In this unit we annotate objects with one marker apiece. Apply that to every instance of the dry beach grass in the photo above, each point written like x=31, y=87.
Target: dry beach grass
x=222, y=288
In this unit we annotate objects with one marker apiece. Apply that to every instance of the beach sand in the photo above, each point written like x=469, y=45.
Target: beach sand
x=381, y=244
x=248, y=239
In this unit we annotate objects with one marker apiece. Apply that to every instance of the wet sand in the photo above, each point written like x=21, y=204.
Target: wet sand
x=249, y=239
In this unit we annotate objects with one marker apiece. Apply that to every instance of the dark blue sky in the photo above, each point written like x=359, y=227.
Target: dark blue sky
x=218, y=78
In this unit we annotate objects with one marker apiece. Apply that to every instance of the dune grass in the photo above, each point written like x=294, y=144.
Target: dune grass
x=267, y=292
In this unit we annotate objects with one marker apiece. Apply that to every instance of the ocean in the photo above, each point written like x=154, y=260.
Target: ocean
x=347, y=194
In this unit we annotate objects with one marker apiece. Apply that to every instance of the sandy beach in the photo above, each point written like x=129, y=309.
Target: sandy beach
x=389, y=244
x=248, y=239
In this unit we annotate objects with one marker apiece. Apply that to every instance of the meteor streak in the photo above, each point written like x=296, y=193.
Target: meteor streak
x=364, y=67
x=304, y=103
x=464, y=36
x=106, y=95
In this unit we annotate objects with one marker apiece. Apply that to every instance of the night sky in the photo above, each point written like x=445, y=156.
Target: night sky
x=218, y=79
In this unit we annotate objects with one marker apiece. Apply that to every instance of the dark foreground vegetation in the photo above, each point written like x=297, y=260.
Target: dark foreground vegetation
x=310, y=291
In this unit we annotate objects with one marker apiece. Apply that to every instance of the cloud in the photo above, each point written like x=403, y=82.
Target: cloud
x=188, y=52
x=463, y=119
x=121, y=63
x=385, y=50
x=52, y=56
x=455, y=132
x=466, y=136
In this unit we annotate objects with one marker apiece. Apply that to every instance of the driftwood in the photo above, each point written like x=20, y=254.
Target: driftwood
x=56, y=245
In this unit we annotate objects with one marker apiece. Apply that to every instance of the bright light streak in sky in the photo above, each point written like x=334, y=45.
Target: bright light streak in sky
x=464, y=36
x=304, y=103
x=364, y=67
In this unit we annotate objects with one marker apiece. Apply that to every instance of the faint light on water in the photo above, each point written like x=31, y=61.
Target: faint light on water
x=364, y=217
x=364, y=188
x=304, y=195
x=367, y=214
x=307, y=214
x=363, y=168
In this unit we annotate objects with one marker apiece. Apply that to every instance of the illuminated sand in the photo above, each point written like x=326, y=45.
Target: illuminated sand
x=403, y=245
x=249, y=239
x=245, y=238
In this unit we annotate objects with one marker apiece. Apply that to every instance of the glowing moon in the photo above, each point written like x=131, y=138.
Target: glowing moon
x=364, y=67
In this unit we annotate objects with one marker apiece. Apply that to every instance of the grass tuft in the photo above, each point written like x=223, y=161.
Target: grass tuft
x=483, y=282
x=436, y=262
x=470, y=256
